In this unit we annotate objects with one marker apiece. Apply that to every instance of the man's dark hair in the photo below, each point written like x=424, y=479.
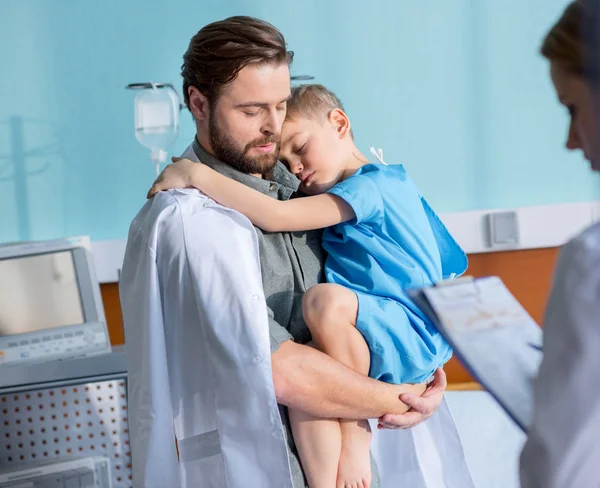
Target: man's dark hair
x=219, y=51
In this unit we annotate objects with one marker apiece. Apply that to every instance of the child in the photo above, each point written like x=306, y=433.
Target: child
x=381, y=237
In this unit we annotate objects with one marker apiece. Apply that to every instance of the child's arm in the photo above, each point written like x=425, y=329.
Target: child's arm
x=315, y=212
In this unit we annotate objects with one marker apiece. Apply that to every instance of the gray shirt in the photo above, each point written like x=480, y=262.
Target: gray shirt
x=291, y=262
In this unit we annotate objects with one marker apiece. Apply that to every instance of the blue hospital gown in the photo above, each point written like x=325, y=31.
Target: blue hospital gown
x=396, y=242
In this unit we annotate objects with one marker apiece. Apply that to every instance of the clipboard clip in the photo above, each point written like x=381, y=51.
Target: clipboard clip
x=451, y=281
x=452, y=289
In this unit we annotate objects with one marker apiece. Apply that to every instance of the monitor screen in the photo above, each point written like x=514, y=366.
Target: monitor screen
x=39, y=292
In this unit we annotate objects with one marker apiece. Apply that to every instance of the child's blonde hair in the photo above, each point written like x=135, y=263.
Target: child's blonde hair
x=312, y=102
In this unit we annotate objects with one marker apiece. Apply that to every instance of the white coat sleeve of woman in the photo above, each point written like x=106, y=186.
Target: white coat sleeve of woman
x=563, y=447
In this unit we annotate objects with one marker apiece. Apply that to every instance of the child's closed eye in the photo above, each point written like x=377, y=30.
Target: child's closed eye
x=300, y=151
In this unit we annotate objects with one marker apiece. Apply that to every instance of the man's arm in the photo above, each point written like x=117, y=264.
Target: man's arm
x=308, y=380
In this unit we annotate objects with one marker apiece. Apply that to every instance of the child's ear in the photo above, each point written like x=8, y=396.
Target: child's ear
x=340, y=122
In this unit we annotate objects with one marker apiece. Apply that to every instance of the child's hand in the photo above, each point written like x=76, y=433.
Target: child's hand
x=176, y=175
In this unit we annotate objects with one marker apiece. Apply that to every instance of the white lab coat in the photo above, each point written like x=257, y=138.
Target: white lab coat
x=563, y=445
x=199, y=367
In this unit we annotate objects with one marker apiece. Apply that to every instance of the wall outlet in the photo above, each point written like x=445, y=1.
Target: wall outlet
x=503, y=229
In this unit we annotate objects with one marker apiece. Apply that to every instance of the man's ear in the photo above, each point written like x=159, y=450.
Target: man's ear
x=340, y=122
x=198, y=104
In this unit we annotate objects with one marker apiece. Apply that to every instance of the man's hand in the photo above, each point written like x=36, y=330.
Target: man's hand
x=422, y=407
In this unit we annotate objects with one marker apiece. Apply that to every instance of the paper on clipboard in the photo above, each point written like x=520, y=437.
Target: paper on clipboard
x=492, y=335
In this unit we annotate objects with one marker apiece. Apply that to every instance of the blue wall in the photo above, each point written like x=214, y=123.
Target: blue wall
x=454, y=90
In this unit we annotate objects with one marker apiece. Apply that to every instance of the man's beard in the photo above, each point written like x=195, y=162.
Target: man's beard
x=229, y=152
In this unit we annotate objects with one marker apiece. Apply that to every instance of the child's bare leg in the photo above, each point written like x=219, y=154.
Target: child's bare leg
x=319, y=444
x=330, y=314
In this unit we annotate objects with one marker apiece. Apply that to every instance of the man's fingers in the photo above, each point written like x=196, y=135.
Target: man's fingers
x=408, y=418
x=433, y=393
x=421, y=407
x=438, y=384
x=404, y=421
x=418, y=404
x=403, y=426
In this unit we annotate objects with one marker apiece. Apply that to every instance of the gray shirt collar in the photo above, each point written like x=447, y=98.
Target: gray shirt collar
x=280, y=183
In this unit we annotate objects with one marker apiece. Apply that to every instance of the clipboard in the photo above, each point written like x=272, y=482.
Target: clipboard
x=491, y=334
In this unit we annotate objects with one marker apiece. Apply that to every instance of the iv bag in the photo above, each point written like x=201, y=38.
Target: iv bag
x=157, y=120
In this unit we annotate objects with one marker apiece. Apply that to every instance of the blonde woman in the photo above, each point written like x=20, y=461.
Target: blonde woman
x=563, y=447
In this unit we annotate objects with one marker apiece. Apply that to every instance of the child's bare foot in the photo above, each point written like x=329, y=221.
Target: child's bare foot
x=354, y=470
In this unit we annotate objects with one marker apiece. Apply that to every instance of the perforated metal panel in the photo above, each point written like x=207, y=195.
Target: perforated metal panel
x=86, y=420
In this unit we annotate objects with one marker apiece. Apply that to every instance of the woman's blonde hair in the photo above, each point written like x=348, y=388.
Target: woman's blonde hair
x=571, y=43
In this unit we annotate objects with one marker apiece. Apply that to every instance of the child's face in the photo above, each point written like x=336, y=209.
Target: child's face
x=315, y=152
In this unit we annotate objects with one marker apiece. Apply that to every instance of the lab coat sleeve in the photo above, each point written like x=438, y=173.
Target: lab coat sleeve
x=153, y=451
x=562, y=449
x=229, y=343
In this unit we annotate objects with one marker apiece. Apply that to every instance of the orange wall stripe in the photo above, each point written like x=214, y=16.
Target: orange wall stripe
x=527, y=274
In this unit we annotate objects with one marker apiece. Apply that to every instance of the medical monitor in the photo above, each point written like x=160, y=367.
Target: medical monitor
x=50, y=302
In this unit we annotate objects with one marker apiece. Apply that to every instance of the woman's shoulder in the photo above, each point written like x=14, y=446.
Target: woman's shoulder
x=588, y=242
x=580, y=257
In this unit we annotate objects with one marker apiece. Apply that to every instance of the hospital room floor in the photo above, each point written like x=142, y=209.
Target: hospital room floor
x=492, y=442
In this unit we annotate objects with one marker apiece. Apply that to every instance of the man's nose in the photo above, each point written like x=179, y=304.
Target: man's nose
x=272, y=123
